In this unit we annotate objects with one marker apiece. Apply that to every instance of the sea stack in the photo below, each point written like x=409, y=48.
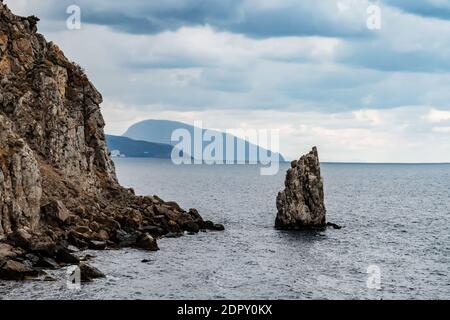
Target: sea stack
x=58, y=186
x=301, y=204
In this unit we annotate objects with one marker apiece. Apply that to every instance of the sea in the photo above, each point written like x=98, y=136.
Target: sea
x=394, y=244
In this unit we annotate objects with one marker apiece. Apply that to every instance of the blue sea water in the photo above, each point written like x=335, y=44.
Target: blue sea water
x=396, y=221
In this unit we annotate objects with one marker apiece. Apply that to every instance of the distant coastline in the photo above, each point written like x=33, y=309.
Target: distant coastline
x=153, y=139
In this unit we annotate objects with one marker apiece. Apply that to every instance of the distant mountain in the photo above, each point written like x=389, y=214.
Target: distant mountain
x=123, y=146
x=160, y=131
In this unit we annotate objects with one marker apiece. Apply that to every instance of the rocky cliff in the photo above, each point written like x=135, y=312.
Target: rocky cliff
x=301, y=204
x=57, y=182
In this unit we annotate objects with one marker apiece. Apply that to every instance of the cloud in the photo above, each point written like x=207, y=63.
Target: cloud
x=200, y=68
x=253, y=18
x=441, y=129
x=436, y=116
x=427, y=8
x=405, y=43
x=368, y=115
x=311, y=68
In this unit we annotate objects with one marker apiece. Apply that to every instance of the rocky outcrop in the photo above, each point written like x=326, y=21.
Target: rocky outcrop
x=301, y=204
x=89, y=273
x=58, y=186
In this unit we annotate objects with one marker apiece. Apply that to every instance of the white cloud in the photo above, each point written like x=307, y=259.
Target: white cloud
x=436, y=116
x=441, y=129
x=368, y=115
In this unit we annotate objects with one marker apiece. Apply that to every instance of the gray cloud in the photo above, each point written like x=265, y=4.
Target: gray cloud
x=240, y=68
x=425, y=8
x=379, y=55
x=258, y=19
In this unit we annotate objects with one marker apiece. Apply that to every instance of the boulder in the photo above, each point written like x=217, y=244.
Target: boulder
x=6, y=251
x=191, y=226
x=208, y=225
x=301, y=204
x=334, y=226
x=173, y=205
x=88, y=272
x=219, y=227
x=55, y=210
x=77, y=239
x=174, y=235
x=82, y=229
x=97, y=245
x=195, y=215
x=146, y=261
x=32, y=258
x=63, y=255
x=147, y=242
x=20, y=238
x=173, y=226
x=42, y=245
x=131, y=219
x=154, y=230
x=14, y=270
x=102, y=235
x=124, y=239
x=46, y=263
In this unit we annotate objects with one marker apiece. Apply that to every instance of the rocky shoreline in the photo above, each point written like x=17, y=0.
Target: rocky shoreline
x=58, y=188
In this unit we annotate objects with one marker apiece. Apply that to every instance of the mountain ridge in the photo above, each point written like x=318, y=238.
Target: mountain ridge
x=160, y=131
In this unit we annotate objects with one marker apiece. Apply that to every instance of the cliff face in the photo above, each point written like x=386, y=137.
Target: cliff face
x=20, y=181
x=56, y=176
x=301, y=204
x=51, y=110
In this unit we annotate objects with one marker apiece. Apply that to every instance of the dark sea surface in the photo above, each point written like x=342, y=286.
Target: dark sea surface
x=396, y=218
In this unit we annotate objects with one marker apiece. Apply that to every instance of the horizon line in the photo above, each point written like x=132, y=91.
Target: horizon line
x=397, y=163
x=322, y=162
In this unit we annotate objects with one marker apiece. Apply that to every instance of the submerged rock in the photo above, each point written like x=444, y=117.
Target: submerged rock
x=219, y=227
x=89, y=273
x=147, y=242
x=301, y=204
x=334, y=226
x=191, y=227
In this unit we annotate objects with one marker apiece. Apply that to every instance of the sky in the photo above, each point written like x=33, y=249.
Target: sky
x=317, y=71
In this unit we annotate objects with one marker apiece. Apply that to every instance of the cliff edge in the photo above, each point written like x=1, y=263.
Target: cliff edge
x=58, y=187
